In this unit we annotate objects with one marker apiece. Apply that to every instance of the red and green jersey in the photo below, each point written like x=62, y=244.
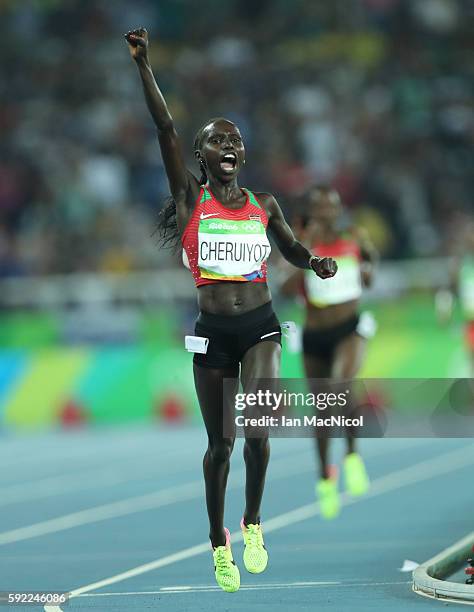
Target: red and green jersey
x=226, y=245
x=346, y=285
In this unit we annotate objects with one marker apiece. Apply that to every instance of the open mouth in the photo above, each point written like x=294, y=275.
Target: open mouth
x=228, y=162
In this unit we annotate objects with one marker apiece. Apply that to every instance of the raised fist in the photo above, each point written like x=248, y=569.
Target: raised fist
x=137, y=41
x=324, y=267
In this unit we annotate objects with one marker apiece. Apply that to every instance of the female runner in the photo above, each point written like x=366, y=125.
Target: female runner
x=334, y=335
x=222, y=228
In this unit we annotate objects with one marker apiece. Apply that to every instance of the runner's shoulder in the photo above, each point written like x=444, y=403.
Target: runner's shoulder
x=263, y=196
x=266, y=200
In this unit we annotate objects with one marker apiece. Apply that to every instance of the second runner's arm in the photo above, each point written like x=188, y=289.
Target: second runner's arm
x=369, y=255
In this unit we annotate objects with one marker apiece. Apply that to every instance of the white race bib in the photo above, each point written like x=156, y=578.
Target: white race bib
x=343, y=287
x=231, y=249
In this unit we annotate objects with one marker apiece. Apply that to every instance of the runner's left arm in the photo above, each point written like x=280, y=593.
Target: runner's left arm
x=291, y=249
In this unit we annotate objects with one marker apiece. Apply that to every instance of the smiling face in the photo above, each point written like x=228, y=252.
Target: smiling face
x=222, y=148
x=325, y=205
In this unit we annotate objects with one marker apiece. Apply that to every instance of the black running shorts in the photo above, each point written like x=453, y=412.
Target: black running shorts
x=231, y=336
x=322, y=342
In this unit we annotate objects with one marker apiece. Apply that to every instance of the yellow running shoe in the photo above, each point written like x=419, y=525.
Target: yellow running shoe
x=328, y=495
x=255, y=554
x=227, y=573
x=355, y=475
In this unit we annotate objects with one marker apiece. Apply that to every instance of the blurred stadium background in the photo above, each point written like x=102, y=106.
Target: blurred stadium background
x=372, y=96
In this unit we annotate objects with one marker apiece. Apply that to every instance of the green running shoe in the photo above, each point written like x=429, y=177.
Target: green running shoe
x=227, y=573
x=355, y=475
x=255, y=554
x=328, y=495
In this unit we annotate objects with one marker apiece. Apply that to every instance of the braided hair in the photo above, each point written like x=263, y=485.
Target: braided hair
x=167, y=227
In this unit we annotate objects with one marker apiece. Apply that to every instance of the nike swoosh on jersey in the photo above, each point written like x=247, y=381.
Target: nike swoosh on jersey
x=203, y=216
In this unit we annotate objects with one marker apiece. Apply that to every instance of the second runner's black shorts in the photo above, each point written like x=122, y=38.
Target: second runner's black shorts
x=322, y=342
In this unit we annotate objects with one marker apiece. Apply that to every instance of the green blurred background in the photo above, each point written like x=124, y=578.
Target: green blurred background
x=44, y=383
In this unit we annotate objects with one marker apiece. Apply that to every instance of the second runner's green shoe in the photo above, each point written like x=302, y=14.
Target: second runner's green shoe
x=255, y=554
x=227, y=573
x=327, y=493
x=355, y=475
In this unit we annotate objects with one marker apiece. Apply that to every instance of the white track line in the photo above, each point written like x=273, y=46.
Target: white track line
x=280, y=468
x=178, y=590
x=424, y=470
x=87, y=480
x=141, y=503
x=104, y=512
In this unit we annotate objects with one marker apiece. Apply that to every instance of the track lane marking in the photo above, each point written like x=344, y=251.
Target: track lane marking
x=419, y=472
x=161, y=498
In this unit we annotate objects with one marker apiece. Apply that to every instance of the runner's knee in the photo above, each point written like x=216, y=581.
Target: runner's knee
x=221, y=450
x=256, y=445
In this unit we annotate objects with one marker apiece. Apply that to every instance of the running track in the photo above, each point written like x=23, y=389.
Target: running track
x=123, y=510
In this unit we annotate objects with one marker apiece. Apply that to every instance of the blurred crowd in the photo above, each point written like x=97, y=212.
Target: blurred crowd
x=371, y=96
